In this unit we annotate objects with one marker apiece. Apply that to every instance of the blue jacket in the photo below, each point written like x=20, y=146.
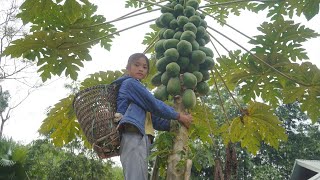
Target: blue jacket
x=134, y=100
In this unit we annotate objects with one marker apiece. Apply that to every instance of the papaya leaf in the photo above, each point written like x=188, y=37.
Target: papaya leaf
x=309, y=94
x=100, y=77
x=255, y=79
x=222, y=12
x=61, y=123
x=150, y=38
x=280, y=9
x=72, y=10
x=283, y=37
x=60, y=36
x=310, y=9
x=257, y=124
x=203, y=124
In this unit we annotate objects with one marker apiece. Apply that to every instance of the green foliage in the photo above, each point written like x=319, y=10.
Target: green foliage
x=289, y=8
x=60, y=36
x=204, y=125
x=45, y=161
x=307, y=95
x=257, y=124
x=138, y=4
x=282, y=37
x=270, y=72
x=221, y=13
x=4, y=98
x=12, y=159
x=150, y=38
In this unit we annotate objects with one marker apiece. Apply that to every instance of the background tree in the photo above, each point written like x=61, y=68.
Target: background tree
x=13, y=71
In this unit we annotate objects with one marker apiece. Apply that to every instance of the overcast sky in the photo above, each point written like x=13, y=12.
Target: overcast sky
x=26, y=118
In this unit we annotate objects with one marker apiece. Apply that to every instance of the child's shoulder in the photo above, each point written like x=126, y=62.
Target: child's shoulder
x=131, y=82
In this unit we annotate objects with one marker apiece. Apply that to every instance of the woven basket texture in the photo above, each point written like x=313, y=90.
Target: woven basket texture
x=95, y=108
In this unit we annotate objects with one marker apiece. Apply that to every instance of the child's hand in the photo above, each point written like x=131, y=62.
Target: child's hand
x=185, y=119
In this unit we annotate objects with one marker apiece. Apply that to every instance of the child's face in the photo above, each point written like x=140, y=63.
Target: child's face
x=138, y=69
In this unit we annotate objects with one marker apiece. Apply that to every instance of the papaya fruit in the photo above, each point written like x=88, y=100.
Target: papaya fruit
x=178, y=10
x=195, y=45
x=198, y=75
x=161, y=93
x=200, y=31
x=189, y=99
x=170, y=43
x=164, y=78
x=188, y=36
x=166, y=18
x=190, y=27
x=183, y=62
x=174, y=87
x=193, y=3
x=161, y=64
x=156, y=79
x=208, y=64
x=202, y=88
x=197, y=57
x=177, y=35
x=195, y=19
x=173, y=69
x=158, y=46
x=168, y=33
x=189, y=11
x=184, y=48
x=171, y=54
x=182, y=20
x=189, y=80
x=206, y=50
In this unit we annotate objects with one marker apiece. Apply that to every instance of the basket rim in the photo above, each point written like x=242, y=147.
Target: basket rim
x=89, y=89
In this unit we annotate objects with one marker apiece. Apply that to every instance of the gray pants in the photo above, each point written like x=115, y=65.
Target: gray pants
x=134, y=150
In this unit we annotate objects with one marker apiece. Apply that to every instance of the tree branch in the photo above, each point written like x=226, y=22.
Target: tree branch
x=227, y=25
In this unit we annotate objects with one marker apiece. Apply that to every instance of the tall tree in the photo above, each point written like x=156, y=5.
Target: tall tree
x=14, y=71
x=275, y=69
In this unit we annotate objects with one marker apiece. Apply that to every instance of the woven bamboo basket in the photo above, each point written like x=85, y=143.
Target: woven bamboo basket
x=95, y=108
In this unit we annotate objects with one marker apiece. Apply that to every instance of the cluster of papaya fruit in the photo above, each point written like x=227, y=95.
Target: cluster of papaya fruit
x=183, y=61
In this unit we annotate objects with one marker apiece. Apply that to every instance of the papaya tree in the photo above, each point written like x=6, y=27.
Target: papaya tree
x=186, y=62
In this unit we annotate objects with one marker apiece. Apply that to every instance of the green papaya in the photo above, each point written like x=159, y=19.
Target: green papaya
x=170, y=43
x=189, y=99
x=156, y=79
x=173, y=69
x=198, y=75
x=189, y=80
x=164, y=78
x=161, y=93
x=171, y=54
x=174, y=87
x=198, y=56
x=190, y=27
x=188, y=36
x=184, y=48
x=202, y=88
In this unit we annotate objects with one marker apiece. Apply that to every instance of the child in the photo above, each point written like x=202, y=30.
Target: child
x=133, y=103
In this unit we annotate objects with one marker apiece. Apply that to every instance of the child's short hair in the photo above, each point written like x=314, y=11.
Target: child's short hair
x=135, y=57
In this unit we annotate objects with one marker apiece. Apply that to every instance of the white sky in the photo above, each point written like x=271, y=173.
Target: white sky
x=26, y=118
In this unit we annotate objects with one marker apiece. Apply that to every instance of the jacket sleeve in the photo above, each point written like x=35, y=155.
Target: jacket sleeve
x=138, y=94
x=160, y=124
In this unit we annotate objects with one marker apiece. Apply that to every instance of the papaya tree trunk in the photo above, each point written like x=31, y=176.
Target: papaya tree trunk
x=175, y=172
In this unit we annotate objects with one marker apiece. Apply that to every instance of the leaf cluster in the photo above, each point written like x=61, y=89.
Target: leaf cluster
x=61, y=35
